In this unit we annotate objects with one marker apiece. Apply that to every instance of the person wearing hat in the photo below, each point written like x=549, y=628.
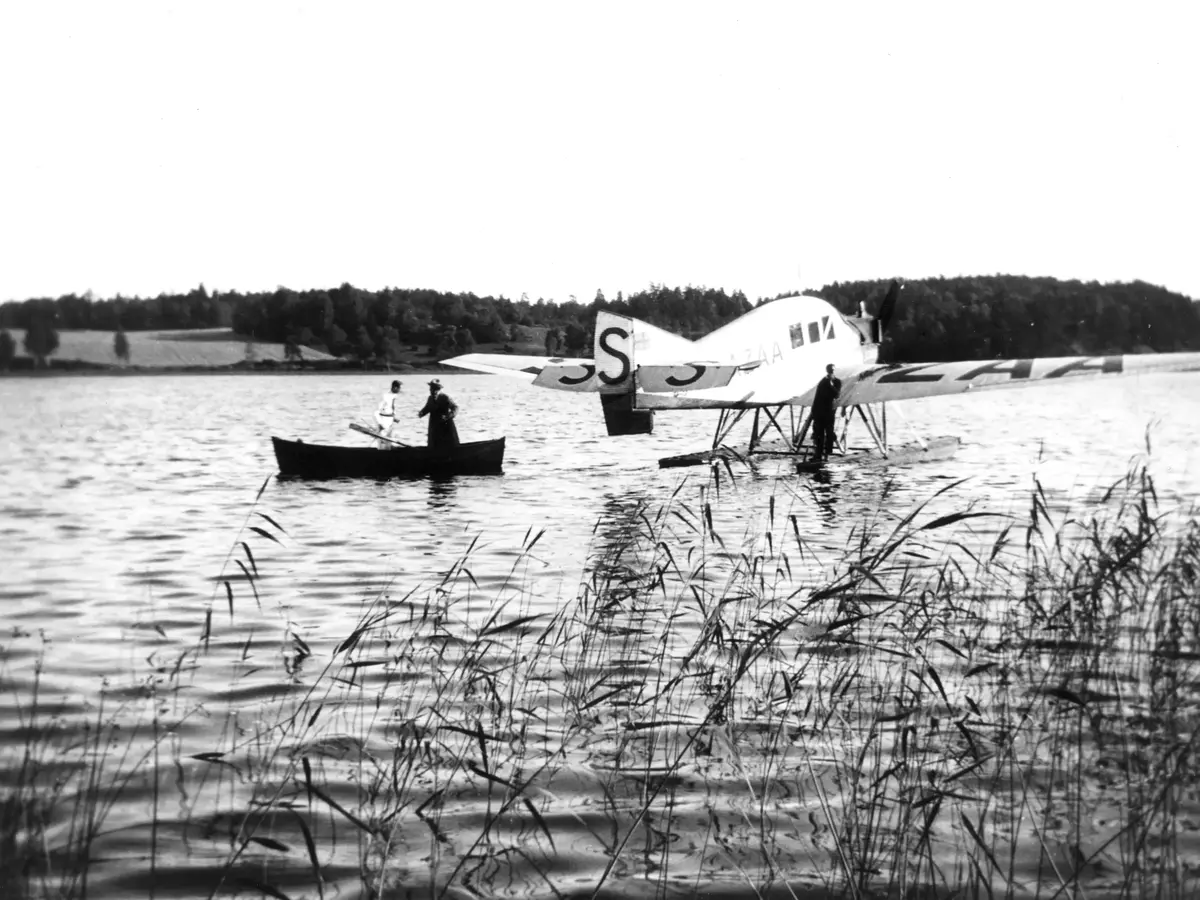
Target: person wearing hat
x=385, y=416
x=828, y=390
x=441, y=409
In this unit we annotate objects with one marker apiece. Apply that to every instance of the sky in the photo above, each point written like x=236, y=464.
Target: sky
x=554, y=149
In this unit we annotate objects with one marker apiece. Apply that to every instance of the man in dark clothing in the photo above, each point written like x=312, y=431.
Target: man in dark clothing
x=828, y=390
x=443, y=434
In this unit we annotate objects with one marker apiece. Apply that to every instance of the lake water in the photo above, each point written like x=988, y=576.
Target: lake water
x=124, y=502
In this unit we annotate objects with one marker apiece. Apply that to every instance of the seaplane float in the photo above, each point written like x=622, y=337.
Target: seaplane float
x=763, y=369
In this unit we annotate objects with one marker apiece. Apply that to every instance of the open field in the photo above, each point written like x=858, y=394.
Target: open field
x=161, y=349
x=214, y=348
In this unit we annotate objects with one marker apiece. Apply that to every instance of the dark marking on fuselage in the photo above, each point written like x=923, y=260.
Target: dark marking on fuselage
x=908, y=375
x=533, y=370
x=684, y=382
x=1106, y=365
x=588, y=372
x=1013, y=368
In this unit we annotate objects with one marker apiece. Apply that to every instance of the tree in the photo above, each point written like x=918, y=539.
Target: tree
x=121, y=346
x=8, y=349
x=350, y=308
x=364, y=345
x=576, y=337
x=486, y=325
x=448, y=309
x=447, y=343
x=389, y=344
x=291, y=348
x=335, y=339
x=407, y=324
x=41, y=337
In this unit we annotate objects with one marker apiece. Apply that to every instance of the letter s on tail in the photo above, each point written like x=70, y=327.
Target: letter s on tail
x=614, y=352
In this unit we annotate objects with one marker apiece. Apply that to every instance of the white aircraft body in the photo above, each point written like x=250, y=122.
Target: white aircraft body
x=774, y=356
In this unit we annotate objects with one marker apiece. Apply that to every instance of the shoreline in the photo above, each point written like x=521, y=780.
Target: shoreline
x=133, y=371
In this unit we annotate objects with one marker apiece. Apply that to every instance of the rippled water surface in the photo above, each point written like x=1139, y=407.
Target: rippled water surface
x=131, y=529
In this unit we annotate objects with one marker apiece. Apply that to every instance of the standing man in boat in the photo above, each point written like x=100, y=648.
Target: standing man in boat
x=443, y=433
x=385, y=416
x=828, y=391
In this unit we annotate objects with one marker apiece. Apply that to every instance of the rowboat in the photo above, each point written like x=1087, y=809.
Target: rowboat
x=301, y=460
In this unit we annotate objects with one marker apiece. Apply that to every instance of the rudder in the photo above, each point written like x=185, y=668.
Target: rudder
x=615, y=345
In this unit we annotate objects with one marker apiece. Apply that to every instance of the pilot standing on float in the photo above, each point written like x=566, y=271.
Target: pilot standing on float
x=828, y=391
x=443, y=434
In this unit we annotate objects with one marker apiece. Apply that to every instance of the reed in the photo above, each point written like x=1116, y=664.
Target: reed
x=929, y=710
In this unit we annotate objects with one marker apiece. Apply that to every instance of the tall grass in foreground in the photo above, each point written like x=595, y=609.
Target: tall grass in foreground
x=934, y=715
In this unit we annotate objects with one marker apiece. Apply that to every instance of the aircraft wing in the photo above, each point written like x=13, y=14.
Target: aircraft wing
x=875, y=383
x=556, y=372
x=528, y=367
x=561, y=374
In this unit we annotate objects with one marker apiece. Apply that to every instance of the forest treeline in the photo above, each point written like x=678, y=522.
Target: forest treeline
x=349, y=321
x=936, y=318
x=983, y=317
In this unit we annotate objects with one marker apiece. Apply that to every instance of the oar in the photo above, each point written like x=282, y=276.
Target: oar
x=354, y=426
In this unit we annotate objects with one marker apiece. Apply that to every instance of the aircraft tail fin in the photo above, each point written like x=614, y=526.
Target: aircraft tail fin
x=620, y=417
x=619, y=340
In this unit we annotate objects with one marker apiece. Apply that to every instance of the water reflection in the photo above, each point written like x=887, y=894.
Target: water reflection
x=824, y=493
x=617, y=517
x=442, y=492
x=156, y=504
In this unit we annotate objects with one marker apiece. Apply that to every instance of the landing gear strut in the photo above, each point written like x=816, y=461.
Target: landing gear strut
x=781, y=431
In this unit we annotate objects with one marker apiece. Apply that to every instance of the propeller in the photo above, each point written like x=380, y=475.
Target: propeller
x=889, y=305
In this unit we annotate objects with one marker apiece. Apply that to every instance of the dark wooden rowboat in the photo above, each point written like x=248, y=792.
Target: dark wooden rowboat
x=302, y=460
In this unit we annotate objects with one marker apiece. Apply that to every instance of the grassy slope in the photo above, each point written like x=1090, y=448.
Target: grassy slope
x=211, y=347
x=155, y=349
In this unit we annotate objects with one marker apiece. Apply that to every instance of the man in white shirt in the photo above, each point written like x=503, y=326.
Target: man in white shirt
x=385, y=416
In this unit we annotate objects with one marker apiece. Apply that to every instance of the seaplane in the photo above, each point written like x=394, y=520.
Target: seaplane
x=765, y=366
